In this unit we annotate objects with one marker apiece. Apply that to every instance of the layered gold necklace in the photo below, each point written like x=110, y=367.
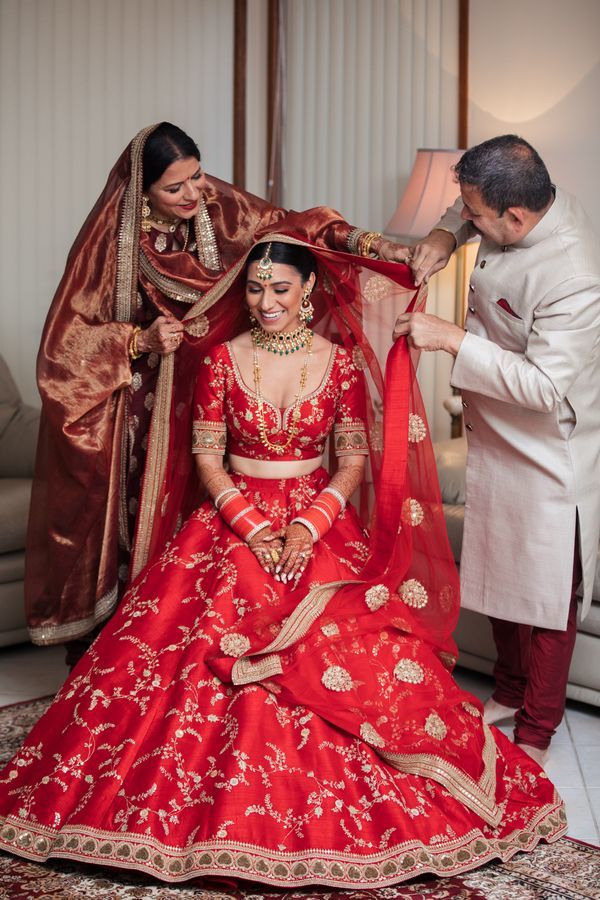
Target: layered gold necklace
x=281, y=342
x=256, y=334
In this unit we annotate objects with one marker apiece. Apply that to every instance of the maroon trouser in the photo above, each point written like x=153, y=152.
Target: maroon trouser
x=532, y=669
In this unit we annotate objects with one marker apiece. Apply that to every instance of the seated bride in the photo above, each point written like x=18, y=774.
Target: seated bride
x=273, y=700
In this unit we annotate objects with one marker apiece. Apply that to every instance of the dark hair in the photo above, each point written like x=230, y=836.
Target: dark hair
x=288, y=254
x=166, y=144
x=508, y=172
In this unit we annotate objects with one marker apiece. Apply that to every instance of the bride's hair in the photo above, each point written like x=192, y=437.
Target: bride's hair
x=288, y=254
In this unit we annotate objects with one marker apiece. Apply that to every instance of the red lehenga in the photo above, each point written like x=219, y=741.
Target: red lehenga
x=224, y=723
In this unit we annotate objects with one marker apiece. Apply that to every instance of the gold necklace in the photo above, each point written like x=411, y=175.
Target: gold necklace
x=281, y=342
x=262, y=427
x=172, y=226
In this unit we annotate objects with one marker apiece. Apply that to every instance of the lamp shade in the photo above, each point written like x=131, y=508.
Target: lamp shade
x=431, y=189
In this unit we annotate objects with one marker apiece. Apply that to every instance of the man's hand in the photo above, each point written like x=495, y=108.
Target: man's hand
x=426, y=332
x=431, y=254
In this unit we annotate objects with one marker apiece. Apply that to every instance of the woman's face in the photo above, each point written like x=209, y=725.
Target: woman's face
x=275, y=304
x=176, y=193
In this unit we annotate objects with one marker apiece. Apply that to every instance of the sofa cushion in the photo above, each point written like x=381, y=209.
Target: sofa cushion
x=451, y=461
x=12, y=566
x=9, y=396
x=18, y=442
x=14, y=502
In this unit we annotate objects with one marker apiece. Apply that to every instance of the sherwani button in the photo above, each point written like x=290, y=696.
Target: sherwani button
x=482, y=264
x=465, y=404
x=471, y=287
x=469, y=427
x=471, y=309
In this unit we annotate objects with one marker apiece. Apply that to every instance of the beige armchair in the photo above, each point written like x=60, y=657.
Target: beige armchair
x=18, y=437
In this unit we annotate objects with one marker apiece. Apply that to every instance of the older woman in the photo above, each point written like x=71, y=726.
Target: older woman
x=160, y=235
x=273, y=699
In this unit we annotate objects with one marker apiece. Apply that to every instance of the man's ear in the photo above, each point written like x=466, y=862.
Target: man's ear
x=517, y=216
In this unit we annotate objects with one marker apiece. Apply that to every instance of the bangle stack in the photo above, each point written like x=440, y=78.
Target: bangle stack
x=134, y=353
x=365, y=241
x=243, y=518
x=322, y=513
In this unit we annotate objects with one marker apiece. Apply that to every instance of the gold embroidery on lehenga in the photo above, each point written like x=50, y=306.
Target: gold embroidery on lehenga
x=336, y=678
x=410, y=671
x=234, y=644
x=435, y=726
x=371, y=736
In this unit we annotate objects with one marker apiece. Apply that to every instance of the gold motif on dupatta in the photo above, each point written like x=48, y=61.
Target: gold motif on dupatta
x=409, y=670
x=336, y=678
x=417, y=430
x=234, y=644
x=435, y=727
x=359, y=359
x=376, y=288
x=377, y=596
x=413, y=593
x=330, y=630
x=412, y=512
x=198, y=327
x=447, y=597
x=371, y=736
x=472, y=710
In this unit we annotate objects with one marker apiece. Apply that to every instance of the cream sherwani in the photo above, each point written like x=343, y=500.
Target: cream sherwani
x=529, y=373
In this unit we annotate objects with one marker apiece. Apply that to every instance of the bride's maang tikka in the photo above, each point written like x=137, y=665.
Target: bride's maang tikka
x=264, y=269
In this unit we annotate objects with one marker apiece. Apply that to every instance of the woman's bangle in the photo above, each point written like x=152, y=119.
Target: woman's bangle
x=367, y=240
x=337, y=494
x=134, y=353
x=225, y=492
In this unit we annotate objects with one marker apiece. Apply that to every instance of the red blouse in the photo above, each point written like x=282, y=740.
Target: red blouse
x=226, y=408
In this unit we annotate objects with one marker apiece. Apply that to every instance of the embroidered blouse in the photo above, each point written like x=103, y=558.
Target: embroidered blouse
x=226, y=411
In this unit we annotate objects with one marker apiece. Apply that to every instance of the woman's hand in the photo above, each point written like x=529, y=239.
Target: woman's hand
x=163, y=336
x=267, y=546
x=297, y=550
x=392, y=252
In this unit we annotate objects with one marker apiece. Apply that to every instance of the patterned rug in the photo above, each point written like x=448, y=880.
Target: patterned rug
x=569, y=869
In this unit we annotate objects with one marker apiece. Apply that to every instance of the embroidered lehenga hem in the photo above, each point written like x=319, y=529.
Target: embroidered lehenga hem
x=404, y=861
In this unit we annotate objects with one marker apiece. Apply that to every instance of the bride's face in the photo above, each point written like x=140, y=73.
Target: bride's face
x=275, y=304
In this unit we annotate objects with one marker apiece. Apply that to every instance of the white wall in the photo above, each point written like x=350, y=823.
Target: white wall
x=535, y=70
x=78, y=78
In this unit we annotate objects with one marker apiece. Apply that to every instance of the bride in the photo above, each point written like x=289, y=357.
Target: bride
x=273, y=700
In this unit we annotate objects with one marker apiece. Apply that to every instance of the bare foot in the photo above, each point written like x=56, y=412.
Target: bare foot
x=495, y=712
x=540, y=756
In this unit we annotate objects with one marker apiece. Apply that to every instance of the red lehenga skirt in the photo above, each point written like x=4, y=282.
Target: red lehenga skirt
x=148, y=760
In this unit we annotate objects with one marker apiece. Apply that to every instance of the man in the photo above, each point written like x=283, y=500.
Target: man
x=528, y=367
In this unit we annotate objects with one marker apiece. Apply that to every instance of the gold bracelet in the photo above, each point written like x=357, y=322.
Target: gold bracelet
x=134, y=353
x=366, y=246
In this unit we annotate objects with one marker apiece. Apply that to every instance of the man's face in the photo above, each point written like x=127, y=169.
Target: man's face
x=501, y=230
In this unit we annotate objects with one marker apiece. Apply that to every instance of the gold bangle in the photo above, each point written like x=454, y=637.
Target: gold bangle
x=366, y=247
x=134, y=353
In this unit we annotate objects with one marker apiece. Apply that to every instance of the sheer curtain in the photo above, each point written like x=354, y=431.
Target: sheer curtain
x=367, y=83
x=78, y=78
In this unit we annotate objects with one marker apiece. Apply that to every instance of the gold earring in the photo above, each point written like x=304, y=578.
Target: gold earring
x=307, y=310
x=145, y=224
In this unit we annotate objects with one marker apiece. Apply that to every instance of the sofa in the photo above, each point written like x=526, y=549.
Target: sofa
x=473, y=633
x=19, y=425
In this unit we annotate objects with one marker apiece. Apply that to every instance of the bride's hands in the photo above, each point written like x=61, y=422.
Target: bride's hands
x=267, y=546
x=297, y=550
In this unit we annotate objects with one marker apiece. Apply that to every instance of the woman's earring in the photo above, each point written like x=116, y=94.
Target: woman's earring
x=145, y=225
x=307, y=310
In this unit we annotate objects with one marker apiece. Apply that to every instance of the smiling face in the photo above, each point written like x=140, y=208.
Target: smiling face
x=275, y=304
x=176, y=193
x=502, y=230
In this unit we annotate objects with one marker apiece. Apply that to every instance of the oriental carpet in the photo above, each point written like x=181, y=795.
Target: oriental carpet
x=567, y=869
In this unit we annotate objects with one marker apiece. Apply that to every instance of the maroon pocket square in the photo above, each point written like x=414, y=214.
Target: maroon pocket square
x=506, y=306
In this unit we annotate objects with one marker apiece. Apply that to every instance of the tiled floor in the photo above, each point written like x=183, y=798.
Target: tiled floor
x=574, y=765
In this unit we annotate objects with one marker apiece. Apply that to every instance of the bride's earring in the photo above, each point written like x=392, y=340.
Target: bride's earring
x=145, y=225
x=307, y=310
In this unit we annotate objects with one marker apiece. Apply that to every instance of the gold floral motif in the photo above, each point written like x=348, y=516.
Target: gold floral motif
x=234, y=644
x=448, y=660
x=335, y=678
x=370, y=735
x=472, y=710
x=413, y=593
x=412, y=512
x=350, y=437
x=376, y=288
x=161, y=242
x=377, y=596
x=330, y=630
x=358, y=358
x=435, y=727
x=409, y=670
x=417, y=430
x=447, y=597
x=197, y=327
x=209, y=437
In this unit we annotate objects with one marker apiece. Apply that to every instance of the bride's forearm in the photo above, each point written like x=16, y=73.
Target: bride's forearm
x=348, y=478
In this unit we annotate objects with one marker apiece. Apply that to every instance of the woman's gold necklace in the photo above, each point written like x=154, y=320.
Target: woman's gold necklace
x=171, y=225
x=281, y=342
x=262, y=426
